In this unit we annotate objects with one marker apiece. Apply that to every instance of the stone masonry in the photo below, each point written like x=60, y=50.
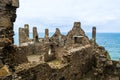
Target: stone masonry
x=9, y=53
x=61, y=57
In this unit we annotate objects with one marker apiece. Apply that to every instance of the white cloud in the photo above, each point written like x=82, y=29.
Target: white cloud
x=50, y=13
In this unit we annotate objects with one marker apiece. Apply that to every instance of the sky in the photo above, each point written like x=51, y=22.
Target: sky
x=52, y=14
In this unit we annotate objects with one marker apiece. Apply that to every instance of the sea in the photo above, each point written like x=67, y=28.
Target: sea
x=111, y=42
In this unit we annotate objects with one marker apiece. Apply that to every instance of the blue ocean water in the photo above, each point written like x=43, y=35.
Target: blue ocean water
x=111, y=42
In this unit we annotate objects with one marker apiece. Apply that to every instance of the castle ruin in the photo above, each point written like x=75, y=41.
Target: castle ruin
x=57, y=57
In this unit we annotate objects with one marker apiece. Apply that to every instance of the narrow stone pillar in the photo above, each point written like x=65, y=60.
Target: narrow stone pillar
x=26, y=27
x=35, y=34
x=46, y=38
x=57, y=31
x=46, y=33
x=22, y=36
x=58, y=37
x=94, y=35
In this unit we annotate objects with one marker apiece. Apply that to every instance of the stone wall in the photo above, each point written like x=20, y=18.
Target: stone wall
x=76, y=61
x=9, y=53
x=56, y=40
x=7, y=18
x=38, y=72
x=76, y=31
x=78, y=65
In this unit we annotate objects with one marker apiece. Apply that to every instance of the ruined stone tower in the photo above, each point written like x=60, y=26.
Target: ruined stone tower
x=46, y=37
x=94, y=35
x=26, y=27
x=35, y=34
x=23, y=37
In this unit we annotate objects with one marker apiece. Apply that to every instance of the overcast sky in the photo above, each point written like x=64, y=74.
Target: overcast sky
x=52, y=14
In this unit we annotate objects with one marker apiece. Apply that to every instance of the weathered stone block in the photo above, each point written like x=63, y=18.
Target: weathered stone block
x=5, y=22
x=15, y=3
x=77, y=24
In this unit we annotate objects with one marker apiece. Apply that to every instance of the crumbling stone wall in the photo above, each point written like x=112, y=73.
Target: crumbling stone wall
x=7, y=17
x=84, y=60
x=38, y=72
x=76, y=31
x=9, y=53
x=58, y=38
x=74, y=67
x=78, y=62
x=31, y=49
x=13, y=56
x=79, y=66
